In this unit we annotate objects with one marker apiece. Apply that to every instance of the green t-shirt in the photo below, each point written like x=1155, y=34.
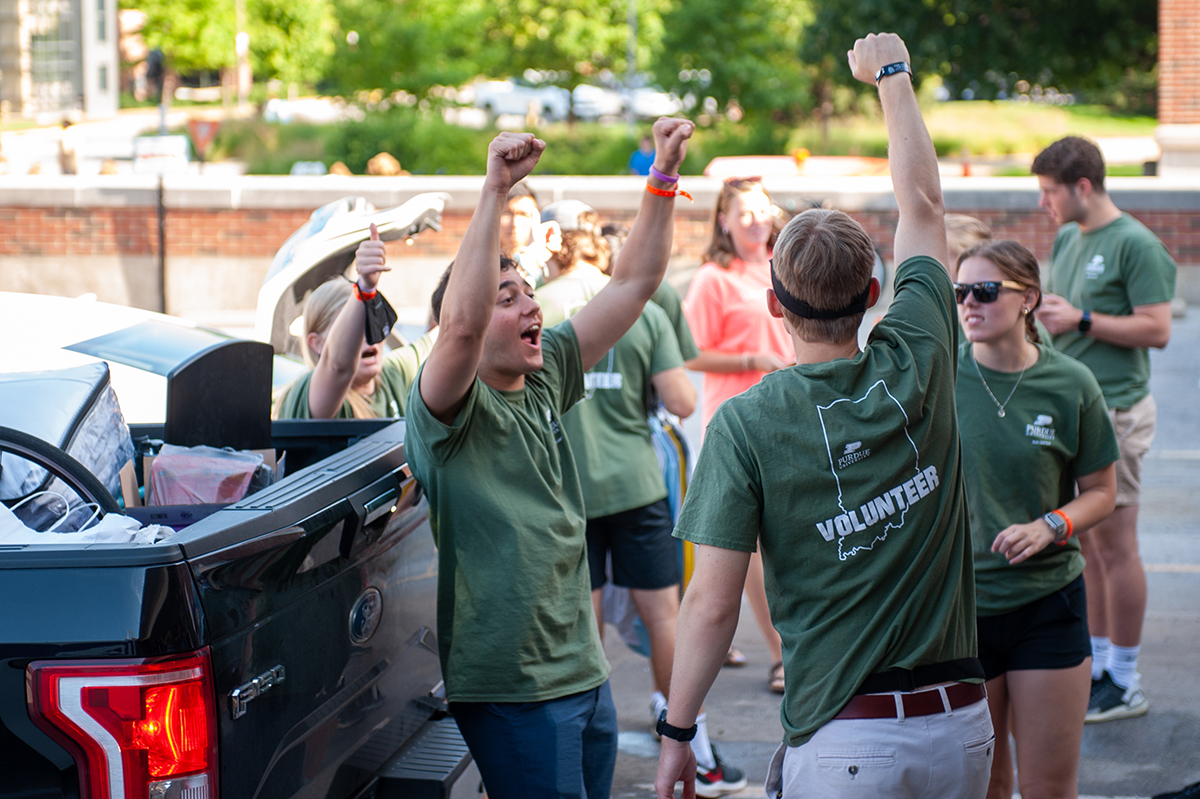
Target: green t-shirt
x=515, y=621
x=1055, y=429
x=1111, y=270
x=847, y=474
x=609, y=434
x=397, y=373
x=667, y=298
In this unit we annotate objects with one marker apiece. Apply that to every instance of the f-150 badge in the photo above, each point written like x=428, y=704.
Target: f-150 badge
x=244, y=694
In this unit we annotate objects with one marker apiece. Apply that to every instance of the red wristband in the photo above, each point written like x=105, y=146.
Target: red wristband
x=665, y=193
x=1070, y=526
x=362, y=295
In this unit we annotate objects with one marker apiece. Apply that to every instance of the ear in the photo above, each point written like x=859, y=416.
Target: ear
x=721, y=220
x=315, y=342
x=1032, y=298
x=773, y=306
x=1084, y=188
x=873, y=292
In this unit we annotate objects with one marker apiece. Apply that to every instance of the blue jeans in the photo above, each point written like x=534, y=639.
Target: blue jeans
x=563, y=747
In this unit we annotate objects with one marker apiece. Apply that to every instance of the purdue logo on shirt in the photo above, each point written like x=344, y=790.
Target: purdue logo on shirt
x=867, y=509
x=1041, y=431
x=1095, y=267
x=555, y=430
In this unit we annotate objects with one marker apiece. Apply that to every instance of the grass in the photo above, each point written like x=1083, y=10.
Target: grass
x=983, y=127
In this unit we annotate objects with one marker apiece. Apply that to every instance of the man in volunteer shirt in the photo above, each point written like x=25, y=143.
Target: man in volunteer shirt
x=845, y=470
x=525, y=674
x=1110, y=287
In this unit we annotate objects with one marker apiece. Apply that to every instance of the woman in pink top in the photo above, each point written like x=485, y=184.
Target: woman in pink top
x=739, y=341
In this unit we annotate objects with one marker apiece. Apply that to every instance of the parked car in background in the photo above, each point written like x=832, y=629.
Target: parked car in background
x=517, y=96
x=591, y=102
x=651, y=103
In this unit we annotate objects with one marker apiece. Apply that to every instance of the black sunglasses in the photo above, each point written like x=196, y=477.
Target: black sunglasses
x=985, y=290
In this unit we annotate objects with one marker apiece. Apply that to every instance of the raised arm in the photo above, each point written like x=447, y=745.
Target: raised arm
x=921, y=229
x=472, y=291
x=643, y=259
x=338, y=363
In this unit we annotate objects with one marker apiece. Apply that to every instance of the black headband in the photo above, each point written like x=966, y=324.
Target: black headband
x=858, y=304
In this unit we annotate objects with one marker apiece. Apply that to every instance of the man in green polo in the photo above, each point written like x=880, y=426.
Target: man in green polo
x=1108, y=301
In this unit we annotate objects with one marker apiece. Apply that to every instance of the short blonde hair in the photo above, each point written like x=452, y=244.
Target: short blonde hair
x=824, y=258
x=964, y=232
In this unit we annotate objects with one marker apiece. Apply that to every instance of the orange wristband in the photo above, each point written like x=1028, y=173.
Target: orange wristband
x=1070, y=527
x=665, y=193
x=362, y=295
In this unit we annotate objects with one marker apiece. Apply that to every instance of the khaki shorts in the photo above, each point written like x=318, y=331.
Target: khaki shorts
x=1135, y=432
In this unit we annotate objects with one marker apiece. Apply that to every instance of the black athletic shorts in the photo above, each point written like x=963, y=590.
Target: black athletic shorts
x=1048, y=633
x=644, y=555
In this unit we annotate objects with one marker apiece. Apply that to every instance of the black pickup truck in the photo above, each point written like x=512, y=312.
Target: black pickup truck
x=280, y=646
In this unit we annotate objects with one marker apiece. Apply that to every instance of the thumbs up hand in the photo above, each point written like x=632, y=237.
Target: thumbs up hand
x=371, y=261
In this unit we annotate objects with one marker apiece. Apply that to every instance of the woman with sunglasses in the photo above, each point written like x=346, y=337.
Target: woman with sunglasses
x=1038, y=454
x=739, y=341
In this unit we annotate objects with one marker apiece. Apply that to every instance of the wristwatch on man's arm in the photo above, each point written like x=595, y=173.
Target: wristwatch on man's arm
x=1085, y=323
x=681, y=734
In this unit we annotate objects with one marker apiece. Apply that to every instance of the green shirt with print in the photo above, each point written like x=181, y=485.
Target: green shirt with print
x=515, y=621
x=1111, y=270
x=609, y=434
x=396, y=374
x=1022, y=466
x=847, y=475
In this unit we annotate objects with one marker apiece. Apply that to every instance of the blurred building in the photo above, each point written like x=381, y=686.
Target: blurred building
x=58, y=58
x=1178, y=87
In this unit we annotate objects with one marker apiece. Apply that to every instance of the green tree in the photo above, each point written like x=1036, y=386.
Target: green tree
x=988, y=46
x=289, y=41
x=415, y=45
x=750, y=49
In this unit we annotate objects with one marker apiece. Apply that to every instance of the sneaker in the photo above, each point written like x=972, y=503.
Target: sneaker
x=720, y=779
x=1190, y=792
x=1110, y=701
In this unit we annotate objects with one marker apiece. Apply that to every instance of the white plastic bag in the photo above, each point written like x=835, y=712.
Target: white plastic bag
x=112, y=529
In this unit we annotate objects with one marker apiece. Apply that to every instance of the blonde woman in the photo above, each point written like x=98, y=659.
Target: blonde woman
x=351, y=379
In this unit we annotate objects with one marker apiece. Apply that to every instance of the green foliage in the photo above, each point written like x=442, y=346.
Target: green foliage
x=415, y=45
x=987, y=46
x=749, y=47
x=288, y=40
x=195, y=35
x=423, y=143
x=291, y=41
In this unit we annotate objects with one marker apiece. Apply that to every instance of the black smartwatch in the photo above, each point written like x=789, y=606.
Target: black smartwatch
x=892, y=69
x=678, y=733
x=1085, y=324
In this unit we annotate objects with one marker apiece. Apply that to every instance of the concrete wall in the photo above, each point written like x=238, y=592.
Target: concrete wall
x=74, y=235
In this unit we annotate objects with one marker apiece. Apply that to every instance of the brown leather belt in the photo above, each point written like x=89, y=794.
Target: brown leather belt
x=922, y=703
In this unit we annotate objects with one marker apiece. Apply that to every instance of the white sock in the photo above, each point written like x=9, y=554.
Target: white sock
x=701, y=746
x=1122, y=665
x=658, y=703
x=1101, y=646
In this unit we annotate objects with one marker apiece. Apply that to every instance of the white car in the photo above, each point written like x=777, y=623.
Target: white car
x=514, y=96
x=592, y=102
x=651, y=103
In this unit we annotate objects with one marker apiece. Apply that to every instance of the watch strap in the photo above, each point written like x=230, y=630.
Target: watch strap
x=893, y=69
x=1085, y=323
x=681, y=734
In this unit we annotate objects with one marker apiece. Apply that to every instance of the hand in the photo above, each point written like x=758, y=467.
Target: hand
x=371, y=261
x=766, y=362
x=1058, y=315
x=676, y=762
x=874, y=52
x=1020, y=542
x=670, y=143
x=512, y=156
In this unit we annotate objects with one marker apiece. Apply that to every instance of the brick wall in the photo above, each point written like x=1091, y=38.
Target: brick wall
x=257, y=233
x=1178, y=44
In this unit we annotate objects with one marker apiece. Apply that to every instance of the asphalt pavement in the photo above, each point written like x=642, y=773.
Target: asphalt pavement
x=1129, y=758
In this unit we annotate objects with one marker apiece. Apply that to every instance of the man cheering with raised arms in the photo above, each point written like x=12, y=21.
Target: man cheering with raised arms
x=845, y=470
x=525, y=674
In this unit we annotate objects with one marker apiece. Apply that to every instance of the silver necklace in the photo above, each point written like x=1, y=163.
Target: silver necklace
x=999, y=405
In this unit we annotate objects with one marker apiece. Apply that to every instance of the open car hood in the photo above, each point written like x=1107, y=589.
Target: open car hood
x=324, y=247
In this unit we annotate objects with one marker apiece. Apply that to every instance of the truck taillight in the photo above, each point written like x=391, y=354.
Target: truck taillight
x=138, y=729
